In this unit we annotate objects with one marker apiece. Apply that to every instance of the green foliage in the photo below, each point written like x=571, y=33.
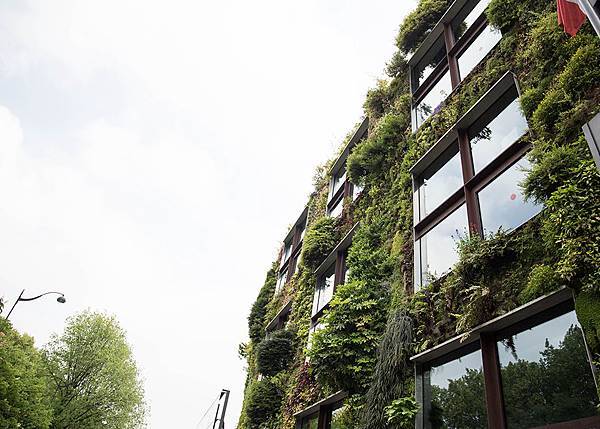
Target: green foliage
x=401, y=412
x=372, y=156
x=574, y=227
x=542, y=279
x=319, y=241
x=274, y=353
x=23, y=385
x=93, y=376
x=256, y=322
x=343, y=352
x=587, y=306
x=419, y=23
x=392, y=371
x=264, y=401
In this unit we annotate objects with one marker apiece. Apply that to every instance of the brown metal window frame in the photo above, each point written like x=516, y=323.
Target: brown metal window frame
x=294, y=237
x=454, y=49
x=279, y=321
x=323, y=409
x=346, y=191
x=488, y=107
x=485, y=338
x=336, y=259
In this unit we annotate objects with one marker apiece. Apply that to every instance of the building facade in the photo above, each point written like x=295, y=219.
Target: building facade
x=445, y=272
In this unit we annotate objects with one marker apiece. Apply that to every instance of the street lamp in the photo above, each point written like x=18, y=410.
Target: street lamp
x=60, y=299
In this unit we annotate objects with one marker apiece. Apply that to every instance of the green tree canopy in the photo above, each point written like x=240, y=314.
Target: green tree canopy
x=94, y=379
x=23, y=387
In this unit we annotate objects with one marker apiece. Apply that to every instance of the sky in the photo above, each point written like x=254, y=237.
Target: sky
x=153, y=156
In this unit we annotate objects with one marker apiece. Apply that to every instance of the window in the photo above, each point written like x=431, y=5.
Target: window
x=470, y=181
x=527, y=369
x=280, y=320
x=356, y=191
x=330, y=274
x=324, y=414
x=340, y=188
x=456, y=45
x=290, y=253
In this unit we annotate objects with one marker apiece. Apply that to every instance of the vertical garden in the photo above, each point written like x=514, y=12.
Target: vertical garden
x=375, y=322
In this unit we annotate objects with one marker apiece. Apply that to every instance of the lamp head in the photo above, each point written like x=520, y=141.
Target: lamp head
x=61, y=299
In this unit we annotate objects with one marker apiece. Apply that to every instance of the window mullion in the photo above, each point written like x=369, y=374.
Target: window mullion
x=452, y=61
x=493, y=383
x=466, y=160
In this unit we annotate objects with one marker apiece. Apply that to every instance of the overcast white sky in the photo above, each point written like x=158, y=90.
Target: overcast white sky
x=152, y=156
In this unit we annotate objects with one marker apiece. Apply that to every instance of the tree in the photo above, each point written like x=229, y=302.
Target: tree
x=93, y=376
x=23, y=387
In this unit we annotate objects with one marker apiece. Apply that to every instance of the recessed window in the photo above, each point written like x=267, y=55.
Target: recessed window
x=337, y=208
x=478, y=49
x=356, y=191
x=281, y=281
x=287, y=251
x=488, y=141
x=503, y=203
x=324, y=290
x=310, y=422
x=454, y=47
x=456, y=392
x=432, y=102
x=528, y=369
x=337, y=182
x=546, y=375
x=440, y=180
x=478, y=166
x=438, y=248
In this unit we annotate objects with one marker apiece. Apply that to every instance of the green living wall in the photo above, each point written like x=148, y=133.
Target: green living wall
x=374, y=323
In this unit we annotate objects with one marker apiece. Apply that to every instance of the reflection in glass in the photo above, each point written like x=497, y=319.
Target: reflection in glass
x=500, y=133
x=337, y=416
x=457, y=394
x=337, y=182
x=440, y=182
x=546, y=376
x=337, y=209
x=475, y=13
x=314, y=328
x=287, y=250
x=436, y=55
x=302, y=232
x=324, y=290
x=432, y=102
x=502, y=202
x=480, y=47
x=356, y=191
x=310, y=422
x=280, y=282
x=439, y=246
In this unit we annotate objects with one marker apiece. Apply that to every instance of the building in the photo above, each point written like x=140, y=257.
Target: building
x=445, y=273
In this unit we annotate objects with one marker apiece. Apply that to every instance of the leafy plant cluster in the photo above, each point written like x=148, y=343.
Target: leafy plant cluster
x=375, y=323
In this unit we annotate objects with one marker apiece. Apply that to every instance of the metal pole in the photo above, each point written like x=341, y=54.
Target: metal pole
x=15, y=304
x=221, y=419
x=587, y=7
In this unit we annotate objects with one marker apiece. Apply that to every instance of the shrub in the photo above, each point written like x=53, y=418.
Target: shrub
x=263, y=402
x=274, y=353
x=256, y=322
x=319, y=241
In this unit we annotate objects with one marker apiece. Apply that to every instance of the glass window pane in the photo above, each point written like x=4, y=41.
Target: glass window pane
x=281, y=282
x=430, y=61
x=324, y=290
x=356, y=191
x=337, y=419
x=440, y=181
x=287, y=250
x=480, y=47
x=311, y=422
x=457, y=394
x=439, y=246
x=502, y=202
x=546, y=375
x=337, y=182
x=475, y=13
x=500, y=133
x=434, y=99
x=337, y=209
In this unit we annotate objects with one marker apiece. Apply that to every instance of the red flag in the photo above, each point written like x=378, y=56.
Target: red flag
x=570, y=16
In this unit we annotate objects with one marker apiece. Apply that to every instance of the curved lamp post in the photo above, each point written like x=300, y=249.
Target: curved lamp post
x=60, y=299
